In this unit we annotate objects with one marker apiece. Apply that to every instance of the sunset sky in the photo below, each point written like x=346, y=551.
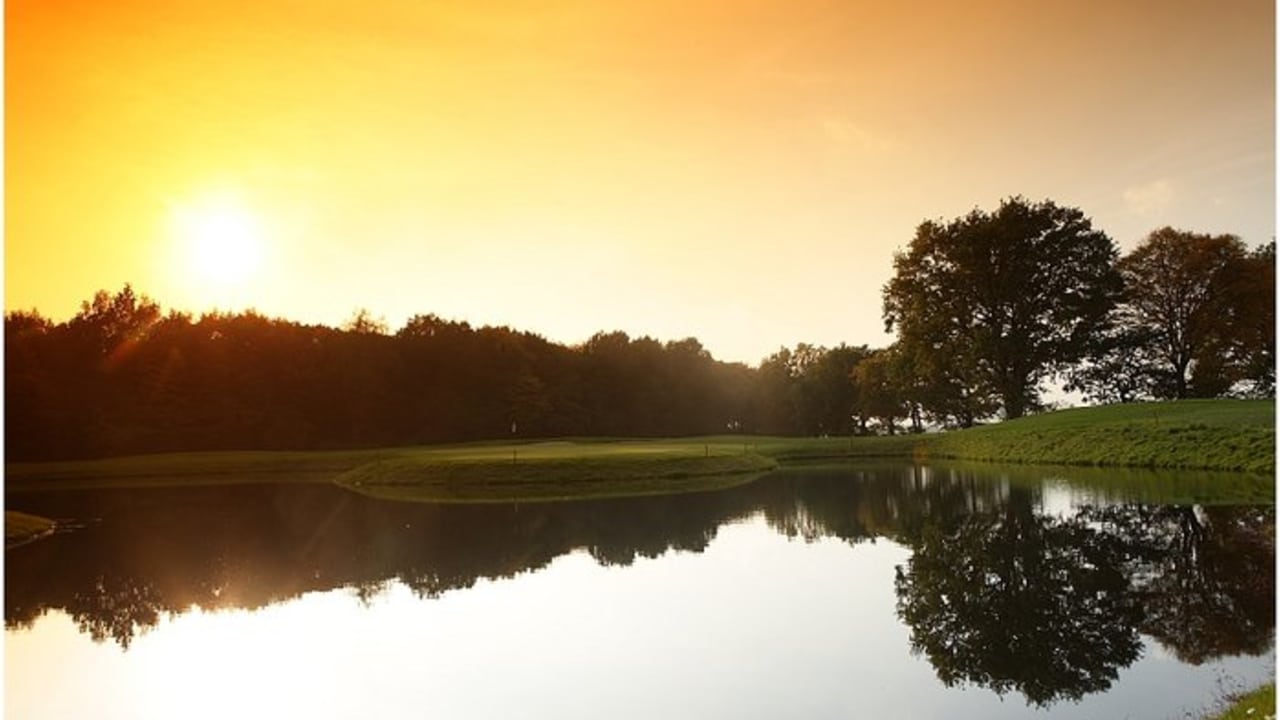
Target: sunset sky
x=737, y=171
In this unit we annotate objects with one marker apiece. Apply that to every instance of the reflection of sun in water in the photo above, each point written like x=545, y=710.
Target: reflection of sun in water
x=220, y=240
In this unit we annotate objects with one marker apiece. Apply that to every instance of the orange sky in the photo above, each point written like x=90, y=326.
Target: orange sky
x=738, y=171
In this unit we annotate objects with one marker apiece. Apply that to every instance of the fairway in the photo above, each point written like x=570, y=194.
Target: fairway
x=1222, y=435
x=470, y=472
x=557, y=470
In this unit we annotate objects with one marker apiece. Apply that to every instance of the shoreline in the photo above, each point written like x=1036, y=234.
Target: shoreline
x=1219, y=435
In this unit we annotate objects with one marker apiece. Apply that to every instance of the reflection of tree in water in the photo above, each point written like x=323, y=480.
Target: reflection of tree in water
x=111, y=607
x=1052, y=607
x=117, y=608
x=1016, y=601
x=1205, y=576
x=995, y=594
x=164, y=551
x=622, y=530
x=862, y=504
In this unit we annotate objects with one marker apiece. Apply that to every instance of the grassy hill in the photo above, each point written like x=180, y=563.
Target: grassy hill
x=1234, y=435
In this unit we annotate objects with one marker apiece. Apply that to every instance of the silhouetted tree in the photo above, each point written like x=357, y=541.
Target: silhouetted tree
x=112, y=321
x=1252, y=320
x=773, y=401
x=31, y=398
x=363, y=322
x=1118, y=369
x=826, y=392
x=879, y=395
x=808, y=390
x=946, y=388
x=911, y=387
x=990, y=304
x=1179, y=297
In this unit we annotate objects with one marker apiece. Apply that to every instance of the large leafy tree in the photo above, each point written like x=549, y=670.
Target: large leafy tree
x=1192, y=296
x=879, y=396
x=991, y=304
x=827, y=394
x=1253, y=320
x=1119, y=367
x=808, y=391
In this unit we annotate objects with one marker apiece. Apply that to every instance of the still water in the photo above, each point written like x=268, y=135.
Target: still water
x=862, y=591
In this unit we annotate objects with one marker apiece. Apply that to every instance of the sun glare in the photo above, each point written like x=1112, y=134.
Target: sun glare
x=221, y=240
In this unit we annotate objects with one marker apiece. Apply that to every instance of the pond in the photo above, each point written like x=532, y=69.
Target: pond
x=819, y=592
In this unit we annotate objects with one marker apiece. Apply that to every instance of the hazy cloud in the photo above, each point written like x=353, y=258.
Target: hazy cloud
x=1150, y=198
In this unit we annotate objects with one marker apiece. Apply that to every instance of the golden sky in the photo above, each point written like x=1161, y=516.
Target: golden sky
x=738, y=171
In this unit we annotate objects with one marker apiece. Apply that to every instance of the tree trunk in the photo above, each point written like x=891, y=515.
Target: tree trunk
x=1180, y=380
x=1015, y=402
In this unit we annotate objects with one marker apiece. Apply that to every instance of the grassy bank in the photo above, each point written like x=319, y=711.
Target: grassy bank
x=197, y=468
x=1257, y=705
x=1221, y=435
x=21, y=528
x=1233, y=435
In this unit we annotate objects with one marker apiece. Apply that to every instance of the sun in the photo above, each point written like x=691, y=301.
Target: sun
x=220, y=240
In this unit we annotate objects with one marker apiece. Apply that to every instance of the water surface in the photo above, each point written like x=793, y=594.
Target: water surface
x=876, y=591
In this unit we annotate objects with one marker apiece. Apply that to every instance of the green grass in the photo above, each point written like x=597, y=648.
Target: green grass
x=1219, y=435
x=1257, y=705
x=197, y=468
x=466, y=472
x=578, y=467
x=553, y=471
x=21, y=528
x=1234, y=435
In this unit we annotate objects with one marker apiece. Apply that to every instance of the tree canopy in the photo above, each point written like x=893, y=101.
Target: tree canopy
x=122, y=378
x=1196, y=319
x=990, y=304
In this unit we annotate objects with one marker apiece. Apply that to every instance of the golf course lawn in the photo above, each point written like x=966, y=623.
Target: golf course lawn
x=1222, y=435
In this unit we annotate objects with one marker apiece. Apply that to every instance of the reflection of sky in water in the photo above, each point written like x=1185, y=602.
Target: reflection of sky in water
x=755, y=626
x=1059, y=499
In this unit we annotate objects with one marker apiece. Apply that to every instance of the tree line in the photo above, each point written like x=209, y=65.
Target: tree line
x=124, y=377
x=987, y=308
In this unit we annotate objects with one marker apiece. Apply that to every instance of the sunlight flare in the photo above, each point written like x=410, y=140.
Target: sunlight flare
x=221, y=240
